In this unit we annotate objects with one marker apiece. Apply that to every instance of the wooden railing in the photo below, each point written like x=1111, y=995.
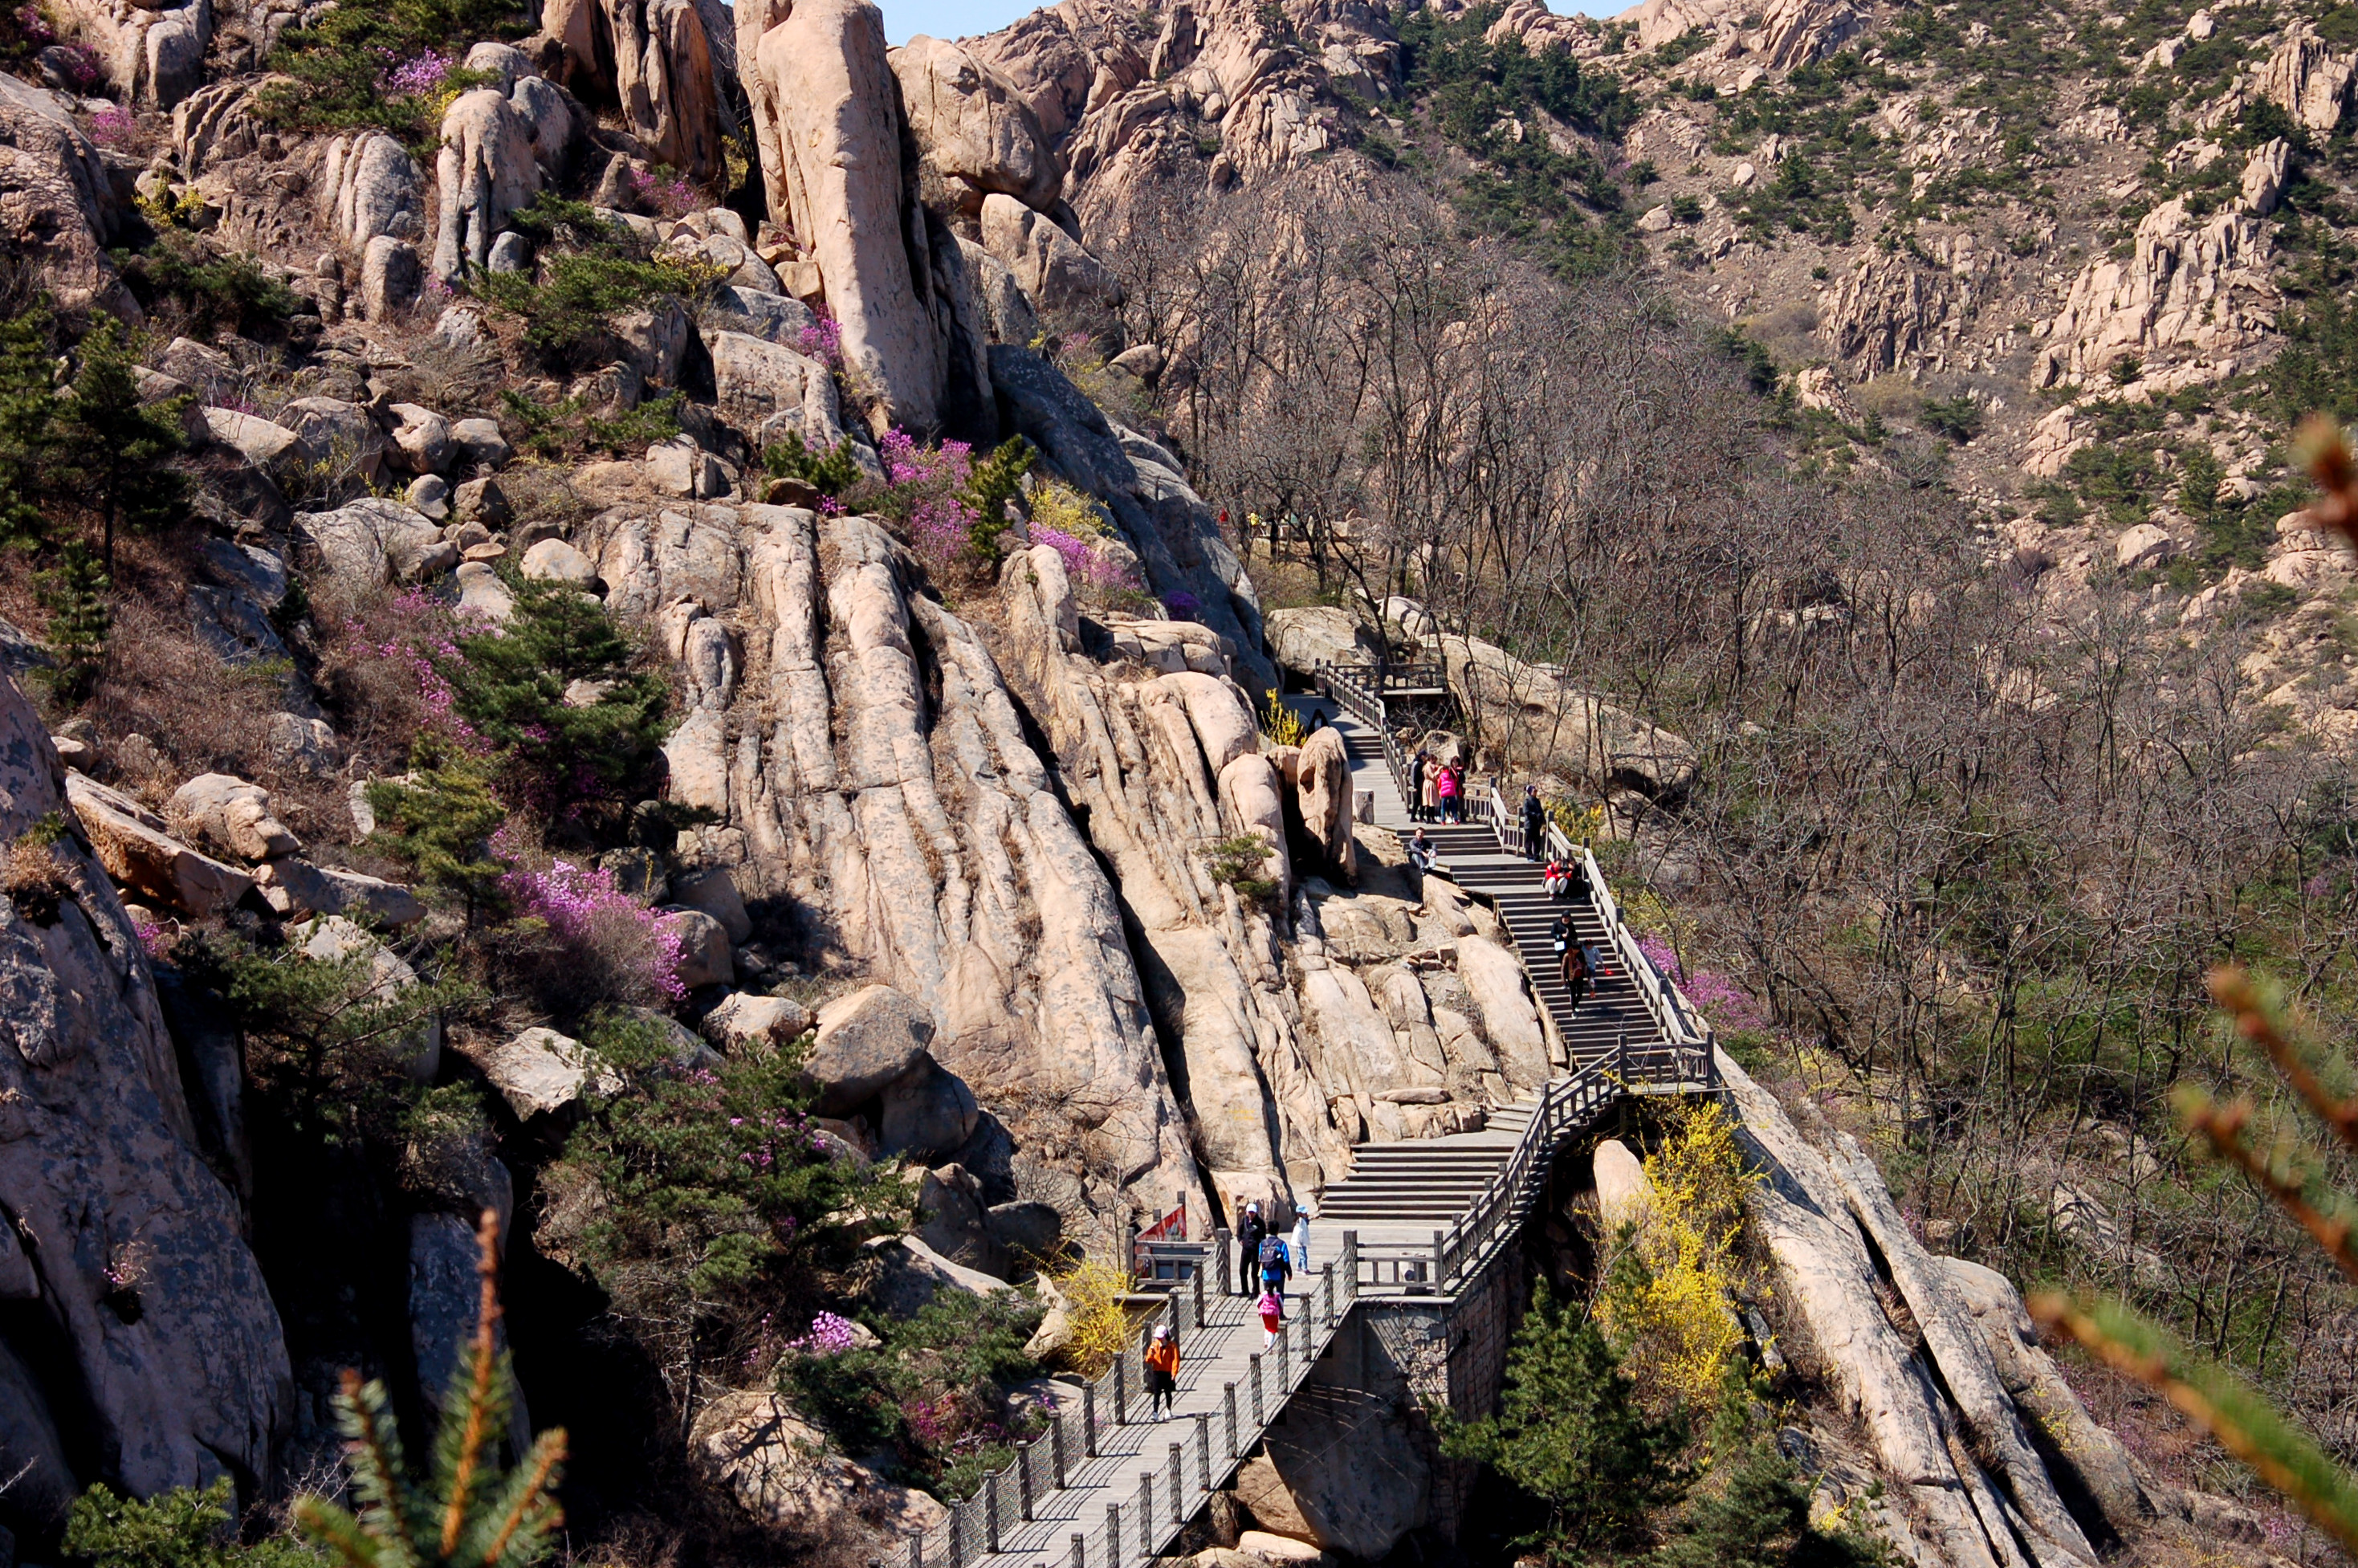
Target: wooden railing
x=1356, y=692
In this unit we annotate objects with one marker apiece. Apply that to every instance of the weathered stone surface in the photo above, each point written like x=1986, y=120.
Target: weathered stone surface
x=929, y=1113
x=152, y=54
x=295, y=888
x=138, y=851
x=1060, y=276
x=541, y=1073
x=258, y=441
x=1305, y=638
x=908, y=1273
x=711, y=890
x=746, y=1023
x=824, y=103
x=1624, y=1194
x=975, y=136
x=867, y=1041
x=656, y=59
x=337, y=434
x=553, y=560
x=481, y=592
x=390, y=278
x=486, y=169
x=178, y=1363
x=2309, y=82
x=1322, y=786
x=371, y=185
x=375, y=540
x=1825, y=1275
x=704, y=958
x=768, y=391
x=60, y=205
x=1509, y=1015
x=421, y=439
x=778, y=1468
x=234, y=817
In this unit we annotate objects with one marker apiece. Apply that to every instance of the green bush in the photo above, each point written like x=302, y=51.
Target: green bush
x=1236, y=862
x=834, y=473
x=347, y=65
x=508, y=685
x=573, y=307
x=216, y=289
x=439, y=821
x=81, y=624
x=184, y=1527
x=720, y=1199
x=1571, y=1438
x=929, y=1389
x=568, y=428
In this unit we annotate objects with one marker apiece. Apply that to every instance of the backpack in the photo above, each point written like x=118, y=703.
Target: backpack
x=1272, y=1252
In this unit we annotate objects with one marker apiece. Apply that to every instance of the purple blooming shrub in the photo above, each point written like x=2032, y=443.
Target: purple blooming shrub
x=829, y=1335
x=419, y=77
x=924, y=486
x=823, y=340
x=674, y=198
x=1724, y=1003
x=616, y=938
x=1182, y=604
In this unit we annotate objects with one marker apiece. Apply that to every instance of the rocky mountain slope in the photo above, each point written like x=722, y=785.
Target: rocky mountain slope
x=2061, y=252
x=601, y=628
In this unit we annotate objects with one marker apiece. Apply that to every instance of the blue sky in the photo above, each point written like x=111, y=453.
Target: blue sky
x=963, y=18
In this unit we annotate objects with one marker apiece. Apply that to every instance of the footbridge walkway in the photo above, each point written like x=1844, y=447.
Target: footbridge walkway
x=1415, y=1227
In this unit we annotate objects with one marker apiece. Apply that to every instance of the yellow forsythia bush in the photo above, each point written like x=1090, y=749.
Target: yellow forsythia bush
x=1668, y=1279
x=1093, y=1291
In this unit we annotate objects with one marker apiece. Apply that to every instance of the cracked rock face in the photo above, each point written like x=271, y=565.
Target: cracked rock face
x=120, y=1235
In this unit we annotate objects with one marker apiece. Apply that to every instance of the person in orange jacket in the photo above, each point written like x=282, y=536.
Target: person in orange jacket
x=1162, y=1372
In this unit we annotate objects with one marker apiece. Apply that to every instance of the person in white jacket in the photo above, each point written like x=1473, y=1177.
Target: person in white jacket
x=1301, y=1240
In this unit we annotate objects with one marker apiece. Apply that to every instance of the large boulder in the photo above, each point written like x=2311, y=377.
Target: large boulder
x=337, y=435
x=1316, y=634
x=769, y=391
x=1061, y=277
x=928, y=1114
x=373, y=540
x=234, y=817
x=655, y=59
x=333, y=939
x=57, y=205
x=141, y=854
x=907, y=1274
x=153, y=55
x=146, y=1310
x=486, y=169
x=825, y=105
x=542, y=1072
x=975, y=136
x=1624, y=1194
x=780, y=1471
x=867, y=1042
x=1323, y=789
x=371, y=185
x=745, y=1023
x=1510, y=1017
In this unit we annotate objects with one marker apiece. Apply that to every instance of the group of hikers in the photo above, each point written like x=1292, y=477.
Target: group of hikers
x=1436, y=789
x=1265, y=1261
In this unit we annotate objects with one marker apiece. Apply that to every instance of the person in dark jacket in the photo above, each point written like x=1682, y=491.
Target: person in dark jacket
x=1416, y=787
x=1252, y=1230
x=1534, y=825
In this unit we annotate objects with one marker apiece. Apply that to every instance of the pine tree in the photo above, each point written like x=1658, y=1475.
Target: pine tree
x=74, y=593
x=463, y=1514
x=1759, y=1518
x=995, y=481
x=28, y=409
x=114, y=453
x=184, y=1527
x=1570, y=1435
x=510, y=685
x=438, y=821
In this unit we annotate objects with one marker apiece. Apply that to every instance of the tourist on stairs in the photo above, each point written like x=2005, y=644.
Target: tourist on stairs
x=1534, y=817
x=1575, y=962
x=1423, y=855
x=1444, y=791
x=1302, y=1239
x=1429, y=789
x=1275, y=1265
x=1556, y=878
x=1250, y=1231
x=1161, y=1373
x=1271, y=1307
x=1416, y=790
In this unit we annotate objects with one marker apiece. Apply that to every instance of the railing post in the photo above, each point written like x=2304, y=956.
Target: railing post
x=1229, y=1404
x=1284, y=1363
x=1439, y=1262
x=1113, y=1535
x=990, y=1513
x=1023, y=1481
x=1351, y=1262
x=1178, y=1487
x=1146, y=1514
x=1621, y=1055
x=1203, y=1449
x=1120, y=1393
x=1057, y=1447
x=1326, y=1285
x=1089, y=1420
x=1080, y=1550
x=1260, y=1417
x=957, y=1547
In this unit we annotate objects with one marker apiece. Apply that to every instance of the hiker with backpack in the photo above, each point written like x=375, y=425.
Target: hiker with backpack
x=1271, y=1307
x=1275, y=1265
